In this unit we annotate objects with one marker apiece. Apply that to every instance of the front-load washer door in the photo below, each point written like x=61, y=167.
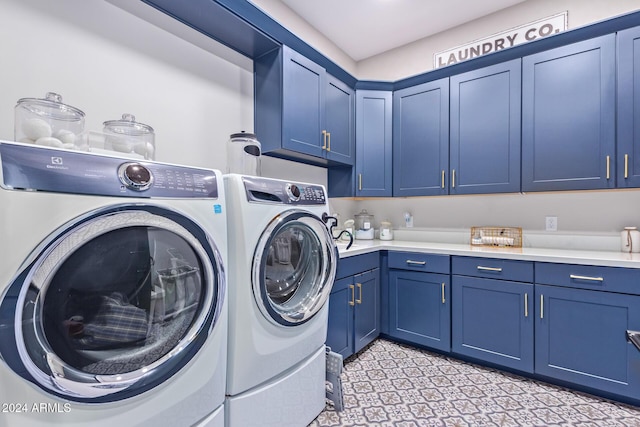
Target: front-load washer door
x=113, y=304
x=294, y=268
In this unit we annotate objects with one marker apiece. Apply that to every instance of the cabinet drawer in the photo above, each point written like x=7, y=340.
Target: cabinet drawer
x=419, y=262
x=357, y=264
x=519, y=271
x=612, y=279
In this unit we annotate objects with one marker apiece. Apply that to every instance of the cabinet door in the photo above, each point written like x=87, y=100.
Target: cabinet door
x=303, y=94
x=367, y=308
x=629, y=108
x=485, y=130
x=339, y=122
x=340, y=327
x=568, y=117
x=420, y=308
x=373, y=143
x=421, y=139
x=581, y=338
x=492, y=320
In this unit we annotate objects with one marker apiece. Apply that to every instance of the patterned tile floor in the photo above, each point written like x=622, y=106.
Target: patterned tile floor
x=390, y=384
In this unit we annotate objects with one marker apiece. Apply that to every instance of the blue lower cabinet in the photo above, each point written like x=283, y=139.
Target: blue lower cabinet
x=354, y=312
x=420, y=308
x=580, y=337
x=492, y=320
x=339, y=332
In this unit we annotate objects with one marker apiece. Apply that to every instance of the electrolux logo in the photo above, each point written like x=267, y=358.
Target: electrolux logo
x=57, y=163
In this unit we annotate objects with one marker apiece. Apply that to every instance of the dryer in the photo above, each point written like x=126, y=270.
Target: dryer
x=282, y=265
x=113, y=304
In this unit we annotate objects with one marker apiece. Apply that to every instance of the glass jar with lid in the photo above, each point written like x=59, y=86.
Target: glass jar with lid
x=47, y=121
x=130, y=137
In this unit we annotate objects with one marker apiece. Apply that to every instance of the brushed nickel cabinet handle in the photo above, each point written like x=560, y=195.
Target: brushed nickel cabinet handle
x=353, y=295
x=442, y=184
x=526, y=305
x=411, y=262
x=360, y=182
x=328, y=141
x=626, y=166
x=324, y=139
x=443, y=299
x=496, y=269
x=453, y=178
x=359, y=285
x=542, y=306
x=589, y=278
x=608, y=167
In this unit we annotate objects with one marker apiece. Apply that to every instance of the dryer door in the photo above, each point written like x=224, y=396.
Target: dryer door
x=294, y=268
x=113, y=304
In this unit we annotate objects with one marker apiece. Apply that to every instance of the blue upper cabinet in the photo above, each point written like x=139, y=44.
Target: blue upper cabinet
x=340, y=131
x=373, y=143
x=301, y=112
x=629, y=108
x=421, y=139
x=303, y=105
x=568, y=117
x=485, y=130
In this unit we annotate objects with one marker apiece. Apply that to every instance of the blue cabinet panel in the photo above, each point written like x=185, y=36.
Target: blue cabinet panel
x=492, y=320
x=366, y=324
x=303, y=91
x=354, y=307
x=420, y=308
x=581, y=338
x=629, y=108
x=485, y=130
x=373, y=143
x=415, y=261
x=339, y=121
x=421, y=139
x=493, y=268
x=356, y=264
x=611, y=279
x=340, y=327
x=568, y=117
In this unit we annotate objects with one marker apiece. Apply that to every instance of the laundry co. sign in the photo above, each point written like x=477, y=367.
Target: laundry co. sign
x=525, y=33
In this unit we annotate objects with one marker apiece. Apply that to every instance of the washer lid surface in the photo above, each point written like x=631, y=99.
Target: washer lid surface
x=294, y=268
x=116, y=304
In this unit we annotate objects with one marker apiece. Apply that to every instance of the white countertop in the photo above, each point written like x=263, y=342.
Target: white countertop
x=568, y=256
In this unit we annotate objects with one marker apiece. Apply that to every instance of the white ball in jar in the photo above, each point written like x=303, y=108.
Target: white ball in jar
x=36, y=128
x=66, y=136
x=144, y=149
x=119, y=144
x=49, y=141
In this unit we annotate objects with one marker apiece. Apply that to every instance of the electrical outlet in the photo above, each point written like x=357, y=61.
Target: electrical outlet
x=551, y=223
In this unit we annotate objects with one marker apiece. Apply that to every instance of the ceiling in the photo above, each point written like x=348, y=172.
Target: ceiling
x=364, y=28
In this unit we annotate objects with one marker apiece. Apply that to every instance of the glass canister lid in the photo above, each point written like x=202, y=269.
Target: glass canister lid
x=127, y=126
x=51, y=107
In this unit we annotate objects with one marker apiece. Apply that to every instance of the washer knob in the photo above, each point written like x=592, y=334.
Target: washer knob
x=293, y=191
x=135, y=176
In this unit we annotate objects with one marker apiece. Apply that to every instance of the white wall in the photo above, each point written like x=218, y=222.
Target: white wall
x=107, y=61
x=417, y=57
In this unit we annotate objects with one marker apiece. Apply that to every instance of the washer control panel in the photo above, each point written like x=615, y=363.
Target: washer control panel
x=283, y=192
x=30, y=167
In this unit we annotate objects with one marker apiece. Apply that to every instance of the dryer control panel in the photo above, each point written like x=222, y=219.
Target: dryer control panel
x=283, y=192
x=34, y=168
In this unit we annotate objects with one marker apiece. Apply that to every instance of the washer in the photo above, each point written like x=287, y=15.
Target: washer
x=282, y=265
x=112, y=291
